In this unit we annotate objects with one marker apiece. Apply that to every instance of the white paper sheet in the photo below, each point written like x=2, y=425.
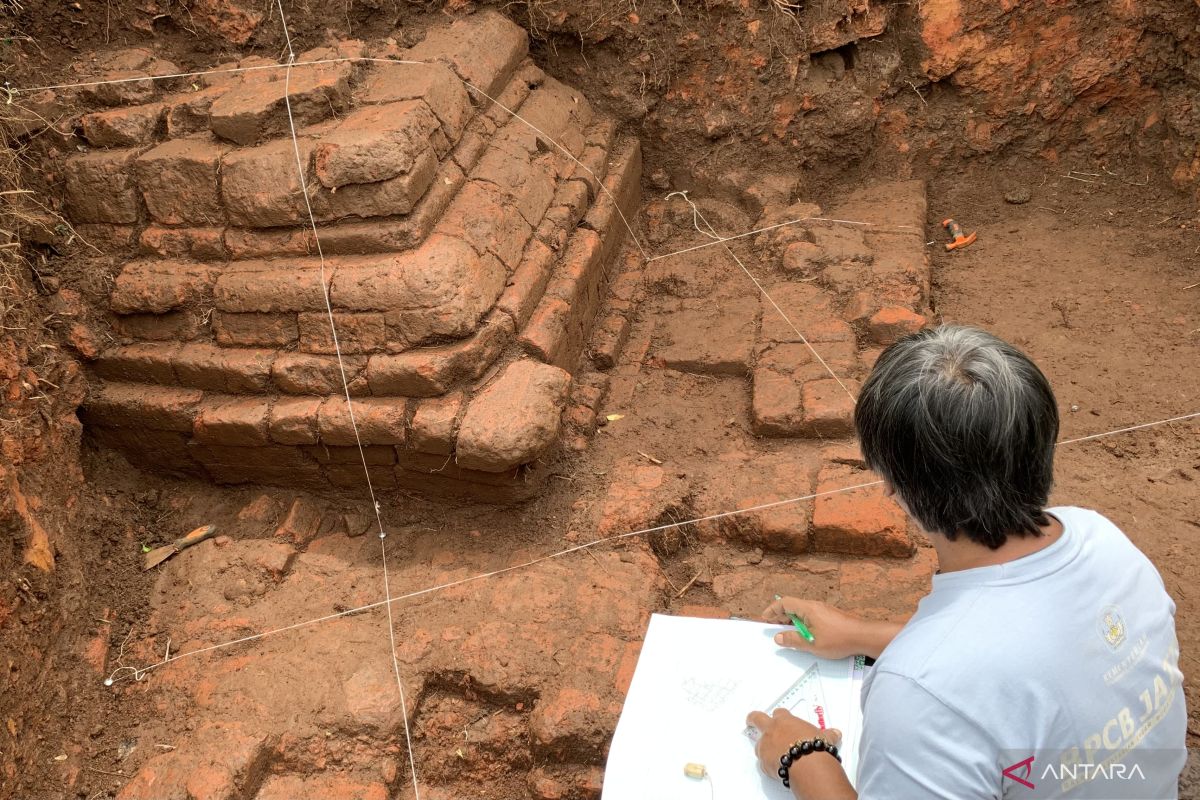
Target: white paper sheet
x=696, y=680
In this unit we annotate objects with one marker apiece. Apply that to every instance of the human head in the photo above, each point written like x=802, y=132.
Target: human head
x=962, y=426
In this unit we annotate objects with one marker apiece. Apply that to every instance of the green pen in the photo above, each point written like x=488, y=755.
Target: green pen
x=799, y=625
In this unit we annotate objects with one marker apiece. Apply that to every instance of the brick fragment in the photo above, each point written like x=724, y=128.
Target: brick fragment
x=527, y=184
x=246, y=244
x=811, y=312
x=801, y=259
x=862, y=522
x=899, y=203
x=776, y=407
x=251, y=111
x=527, y=283
x=893, y=322
x=432, y=371
x=614, y=207
x=356, y=333
x=123, y=127
x=480, y=216
x=487, y=68
x=178, y=325
x=556, y=110
x=222, y=369
x=123, y=405
x=302, y=523
x=440, y=289
x=435, y=422
x=828, y=408
x=710, y=338
x=255, y=330
x=179, y=182
x=158, y=287
x=375, y=455
x=269, y=287
x=578, y=278
x=515, y=419
x=260, y=187
x=374, y=144
x=100, y=187
x=351, y=476
x=143, y=363
x=436, y=84
x=202, y=244
x=125, y=65
x=269, y=464
x=157, y=450
x=220, y=761
x=240, y=422
x=572, y=722
x=609, y=338
x=398, y=195
x=294, y=420
x=545, y=335
x=757, y=481
x=188, y=113
x=379, y=421
x=302, y=373
x=838, y=242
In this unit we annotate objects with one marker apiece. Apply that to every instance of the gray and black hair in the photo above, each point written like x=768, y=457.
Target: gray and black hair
x=962, y=425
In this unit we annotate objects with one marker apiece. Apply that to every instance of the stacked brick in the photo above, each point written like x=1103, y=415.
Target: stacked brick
x=848, y=290
x=465, y=255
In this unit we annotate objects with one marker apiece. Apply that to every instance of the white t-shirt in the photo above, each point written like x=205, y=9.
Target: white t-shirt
x=1067, y=656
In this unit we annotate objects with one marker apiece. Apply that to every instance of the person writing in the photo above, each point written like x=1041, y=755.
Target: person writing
x=1048, y=639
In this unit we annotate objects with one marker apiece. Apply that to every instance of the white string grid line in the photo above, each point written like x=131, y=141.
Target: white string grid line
x=711, y=233
x=139, y=673
x=722, y=239
x=301, y=174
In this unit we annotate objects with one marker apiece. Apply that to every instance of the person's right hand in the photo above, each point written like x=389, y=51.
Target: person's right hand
x=836, y=634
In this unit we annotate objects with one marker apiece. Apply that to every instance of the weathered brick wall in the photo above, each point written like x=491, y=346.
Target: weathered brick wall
x=465, y=258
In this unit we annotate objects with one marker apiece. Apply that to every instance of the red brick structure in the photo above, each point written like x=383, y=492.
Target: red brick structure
x=466, y=255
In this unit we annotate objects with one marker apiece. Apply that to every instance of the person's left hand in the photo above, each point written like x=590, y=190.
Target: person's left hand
x=780, y=731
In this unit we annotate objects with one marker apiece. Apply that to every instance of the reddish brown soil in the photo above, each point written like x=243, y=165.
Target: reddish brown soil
x=1090, y=277
x=1124, y=354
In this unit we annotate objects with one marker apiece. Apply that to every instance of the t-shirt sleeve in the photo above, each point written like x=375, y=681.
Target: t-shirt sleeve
x=914, y=746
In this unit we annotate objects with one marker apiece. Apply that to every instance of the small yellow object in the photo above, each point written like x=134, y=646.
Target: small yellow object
x=614, y=417
x=696, y=771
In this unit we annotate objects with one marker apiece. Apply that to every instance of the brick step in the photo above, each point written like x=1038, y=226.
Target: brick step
x=490, y=438
x=420, y=372
x=445, y=222
x=558, y=328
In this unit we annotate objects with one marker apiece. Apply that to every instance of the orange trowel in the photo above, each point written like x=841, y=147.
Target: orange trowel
x=161, y=554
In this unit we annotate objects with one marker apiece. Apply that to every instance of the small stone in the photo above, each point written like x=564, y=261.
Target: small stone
x=659, y=179
x=1018, y=195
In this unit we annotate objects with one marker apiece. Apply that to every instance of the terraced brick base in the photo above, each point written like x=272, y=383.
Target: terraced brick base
x=466, y=256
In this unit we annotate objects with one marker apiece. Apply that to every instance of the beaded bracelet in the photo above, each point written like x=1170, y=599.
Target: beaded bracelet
x=799, y=749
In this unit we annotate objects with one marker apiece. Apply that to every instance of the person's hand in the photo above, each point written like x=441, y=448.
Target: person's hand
x=836, y=634
x=780, y=731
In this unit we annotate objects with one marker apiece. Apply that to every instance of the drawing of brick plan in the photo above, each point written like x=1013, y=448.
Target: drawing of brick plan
x=466, y=255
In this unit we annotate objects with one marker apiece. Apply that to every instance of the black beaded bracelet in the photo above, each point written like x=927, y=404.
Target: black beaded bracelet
x=799, y=750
